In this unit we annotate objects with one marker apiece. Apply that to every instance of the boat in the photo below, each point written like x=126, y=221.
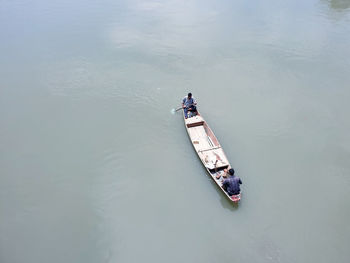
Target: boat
x=209, y=150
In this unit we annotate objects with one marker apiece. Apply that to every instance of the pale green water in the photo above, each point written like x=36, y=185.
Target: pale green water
x=94, y=168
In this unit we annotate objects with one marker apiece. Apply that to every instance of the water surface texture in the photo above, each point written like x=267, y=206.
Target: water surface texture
x=95, y=168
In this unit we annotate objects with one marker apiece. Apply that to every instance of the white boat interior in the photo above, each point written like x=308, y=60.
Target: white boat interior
x=206, y=144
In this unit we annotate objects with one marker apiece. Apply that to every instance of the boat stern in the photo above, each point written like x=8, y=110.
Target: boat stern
x=235, y=198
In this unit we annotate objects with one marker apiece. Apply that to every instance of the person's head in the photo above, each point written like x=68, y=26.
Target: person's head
x=231, y=172
x=189, y=95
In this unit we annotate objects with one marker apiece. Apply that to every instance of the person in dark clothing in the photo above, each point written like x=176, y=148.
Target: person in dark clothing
x=231, y=184
x=189, y=105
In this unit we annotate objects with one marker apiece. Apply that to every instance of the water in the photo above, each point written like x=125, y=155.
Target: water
x=95, y=168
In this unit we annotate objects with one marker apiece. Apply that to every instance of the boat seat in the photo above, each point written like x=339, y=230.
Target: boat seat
x=218, y=168
x=194, y=121
x=209, y=149
x=194, y=124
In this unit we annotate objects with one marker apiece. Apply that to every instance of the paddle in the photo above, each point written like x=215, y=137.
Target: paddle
x=173, y=111
x=176, y=110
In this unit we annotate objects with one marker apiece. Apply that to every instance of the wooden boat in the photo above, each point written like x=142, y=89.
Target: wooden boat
x=209, y=150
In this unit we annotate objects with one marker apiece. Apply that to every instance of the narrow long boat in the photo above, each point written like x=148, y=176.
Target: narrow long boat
x=209, y=150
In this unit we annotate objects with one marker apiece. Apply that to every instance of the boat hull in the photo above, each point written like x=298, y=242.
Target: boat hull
x=209, y=151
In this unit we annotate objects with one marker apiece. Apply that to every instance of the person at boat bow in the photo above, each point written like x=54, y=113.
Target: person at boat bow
x=231, y=184
x=189, y=104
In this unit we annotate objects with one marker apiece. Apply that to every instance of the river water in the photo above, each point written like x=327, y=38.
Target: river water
x=95, y=168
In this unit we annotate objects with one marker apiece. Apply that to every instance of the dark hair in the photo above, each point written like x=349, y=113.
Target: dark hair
x=189, y=94
x=231, y=171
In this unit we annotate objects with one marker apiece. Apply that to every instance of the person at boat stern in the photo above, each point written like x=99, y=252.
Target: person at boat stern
x=231, y=184
x=189, y=104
